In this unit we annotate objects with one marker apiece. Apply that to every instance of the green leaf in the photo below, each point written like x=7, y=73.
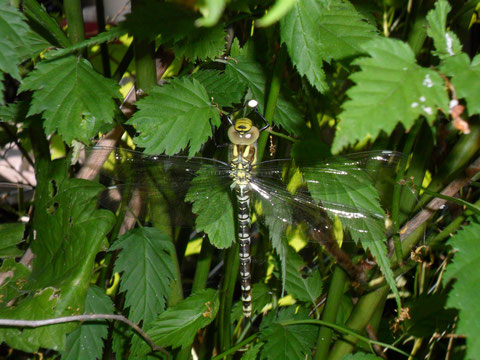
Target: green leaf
x=245, y=70
x=16, y=275
x=465, y=77
x=287, y=342
x=86, y=342
x=261, y=296
x=276, y=12
x=174, y=116
x=39, y=305
x=10, y=236
x=202, y=44
x=214, y=209
x=303, y=287
x=74, y=99
x=17, y=40
x=251, y=354
x=390, y=89
x=465, y=292
x=211, y=10
x=446, y=42
x=148, y=269
x=69, y=233
x=314, y=31
x=224, y=90
x=178, y=325
x=357, y=191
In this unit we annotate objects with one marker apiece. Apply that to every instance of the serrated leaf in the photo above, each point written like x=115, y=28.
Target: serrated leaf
x=74, y=100
x=358, y=192
x=247, y=71
x=465, y=292
x=288, y=342
x=174, y=116
x=67, y=241
x=10, y=236
x=214, y=210
x=390, y=89
x=446, y=42
x=201, y=44
x=178, y=325
x=147, y=270
x=315, y=32
x=465, y=77
x=86, y=342
x=17, y=40
x=303, y=287
x=222, y=89
x=251, y=354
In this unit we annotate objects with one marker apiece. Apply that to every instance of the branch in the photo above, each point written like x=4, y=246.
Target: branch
x=91, y=317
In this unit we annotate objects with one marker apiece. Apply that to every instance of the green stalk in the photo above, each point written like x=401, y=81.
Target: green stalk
x=203, y=266
x=357, y=321
x=273, y=94
x=232, y=263
x=397, y=188
x=74, y=15
x=335, y=293
x=144, y=51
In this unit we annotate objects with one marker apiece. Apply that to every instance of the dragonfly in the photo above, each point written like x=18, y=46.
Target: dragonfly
x=282, y=193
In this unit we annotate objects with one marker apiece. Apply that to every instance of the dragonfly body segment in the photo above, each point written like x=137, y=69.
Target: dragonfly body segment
x=243, y=137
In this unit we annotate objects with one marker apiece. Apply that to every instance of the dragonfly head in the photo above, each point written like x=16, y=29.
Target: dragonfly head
x=243, y=132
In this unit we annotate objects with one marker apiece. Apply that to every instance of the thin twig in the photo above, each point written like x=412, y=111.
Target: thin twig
x=91, y=317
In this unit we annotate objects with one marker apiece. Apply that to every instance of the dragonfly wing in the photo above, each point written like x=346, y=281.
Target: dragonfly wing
x=163, y=188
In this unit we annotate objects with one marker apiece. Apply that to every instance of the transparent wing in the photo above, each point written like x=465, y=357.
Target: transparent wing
x=157, y=188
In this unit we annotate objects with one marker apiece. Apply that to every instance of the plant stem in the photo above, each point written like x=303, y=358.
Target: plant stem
x=335, y=292
x=103, y=46
x=203, y=266
x=226, y=296
x=359, y=318
x=74, y=15
x=144, y=51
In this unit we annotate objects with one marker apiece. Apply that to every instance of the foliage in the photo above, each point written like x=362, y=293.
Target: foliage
x=330, y=236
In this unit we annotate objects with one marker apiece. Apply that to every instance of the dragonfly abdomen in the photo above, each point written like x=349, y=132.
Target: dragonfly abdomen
x=243, y=199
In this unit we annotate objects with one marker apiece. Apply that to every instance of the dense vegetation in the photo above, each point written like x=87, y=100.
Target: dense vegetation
x=332, y=77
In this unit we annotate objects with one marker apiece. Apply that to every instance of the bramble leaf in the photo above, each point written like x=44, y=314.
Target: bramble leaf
x=147, y=270
x=178, y=325
x=446, y=42
x=303, y=287
x=214, y=211
x=201, y=44
x=86, y=342
x=314, y=31
x=465, y=292
x=247, y=71
x=224, y=90
x=465, y=77
x=75, y=100
x=390, y=89
x=17, y=41
x=287, y=342
x=174, y=116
